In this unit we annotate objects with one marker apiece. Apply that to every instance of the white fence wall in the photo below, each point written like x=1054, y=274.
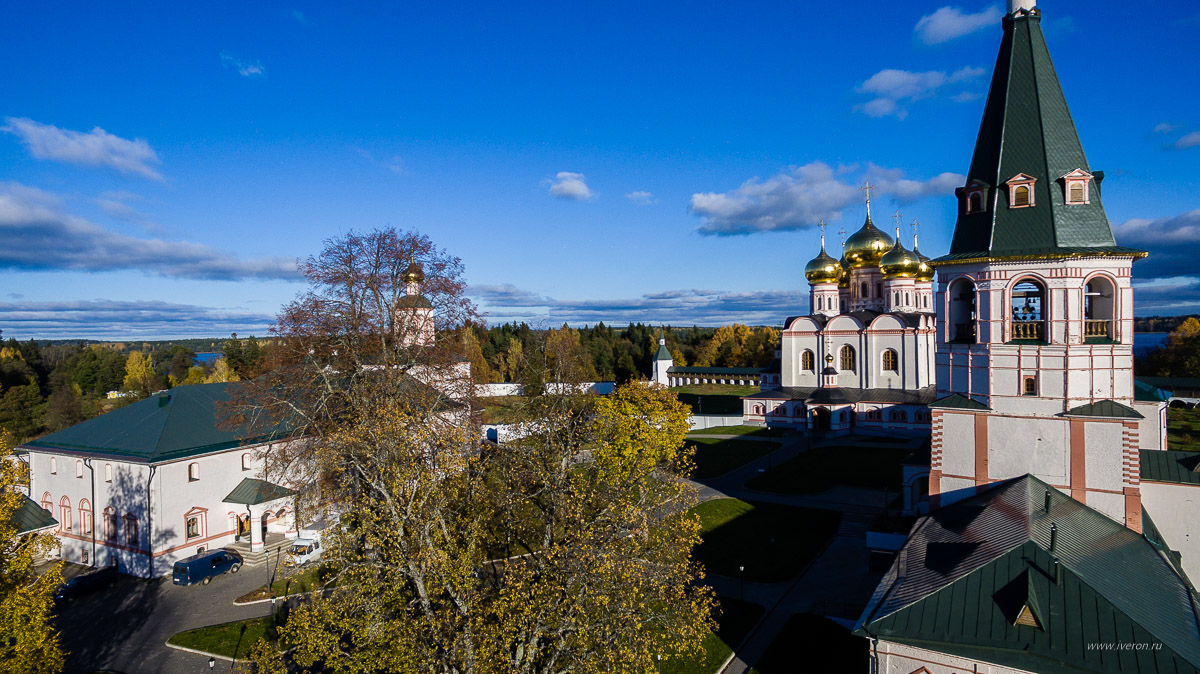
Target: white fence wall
x=495, y=390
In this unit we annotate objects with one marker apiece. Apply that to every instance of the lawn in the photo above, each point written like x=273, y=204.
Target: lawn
x=716, y=456
x=502, y=409
x=756, y=431
x=733, y=622
x=711, y=404
x=307, y=580
x=772, y=542
x=716, y=389
x=820, y=643
x=823, y=467
x=1183, y=429
x=232, y=640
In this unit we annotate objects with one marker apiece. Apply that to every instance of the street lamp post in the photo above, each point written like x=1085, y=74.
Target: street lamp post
x=742, y=581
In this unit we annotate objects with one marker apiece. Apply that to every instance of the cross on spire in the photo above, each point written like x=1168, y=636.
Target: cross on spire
x=842, y=231
x=821, y=225
x=867, y=187
x=915, y=225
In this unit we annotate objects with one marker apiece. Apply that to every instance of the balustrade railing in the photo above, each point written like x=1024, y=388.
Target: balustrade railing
x=964, y=332
x=1096, y=328
x=1028, y=330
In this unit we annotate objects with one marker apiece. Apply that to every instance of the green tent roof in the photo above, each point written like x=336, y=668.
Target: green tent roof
x=253, y=492
x=968, y=568
x=1027, y=129
x=31, y=517
x=958, y=401
x=663, y=353
x=1104, y=408
x=177, y=423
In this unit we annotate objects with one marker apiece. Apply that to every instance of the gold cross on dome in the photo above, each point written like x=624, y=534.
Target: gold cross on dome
x=867, y=187
x=842, y=231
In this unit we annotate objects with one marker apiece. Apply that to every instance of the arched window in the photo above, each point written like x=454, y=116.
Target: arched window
x=193, y=472
x=131, y=530
x=64, y=514
x=758, y=409
x=85, y=517
x=1099, y=309
x=898, y=415
x=108, y=472
x=891, y=363
x=865, y=289
x=878, y=289
x=962, y=311
x=847, y=354
x=1076, y=194
x=246, y=461
x=808, y=362
x=48, y=503
x=1028, y=310
x=1029, y=387
x=78, y=469
x=975, y=202
x=1021, y=195
x=53, y=466
x=908, y=298
x=896, y=297
x=110, y=524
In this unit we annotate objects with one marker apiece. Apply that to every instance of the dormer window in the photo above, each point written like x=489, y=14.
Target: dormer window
x=974, y=196
x=1020, y=191
x=1077, y=187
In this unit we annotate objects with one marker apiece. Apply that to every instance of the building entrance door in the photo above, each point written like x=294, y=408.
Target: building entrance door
x=243, y=526
x=821, y=419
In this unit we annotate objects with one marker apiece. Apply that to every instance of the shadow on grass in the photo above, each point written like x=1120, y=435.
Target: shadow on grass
x=716, y=457
x=820, y=468
x=734, y=620
x=761, y=542
x=819, y=643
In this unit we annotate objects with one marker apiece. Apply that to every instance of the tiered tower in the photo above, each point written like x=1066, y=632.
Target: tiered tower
x=1035, y=308
x=414, y=313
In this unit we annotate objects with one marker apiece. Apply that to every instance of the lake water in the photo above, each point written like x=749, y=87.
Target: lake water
x=1145, y=341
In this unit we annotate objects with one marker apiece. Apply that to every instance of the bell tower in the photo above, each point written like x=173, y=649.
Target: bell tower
x=1034, y=304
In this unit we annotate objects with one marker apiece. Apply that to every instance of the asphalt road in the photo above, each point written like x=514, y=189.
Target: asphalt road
x=125, y=628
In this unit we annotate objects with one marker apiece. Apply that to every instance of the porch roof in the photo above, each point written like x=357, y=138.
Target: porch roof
x=253, y=492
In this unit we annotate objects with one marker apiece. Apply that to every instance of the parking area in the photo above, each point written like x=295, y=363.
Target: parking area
x=125, y=628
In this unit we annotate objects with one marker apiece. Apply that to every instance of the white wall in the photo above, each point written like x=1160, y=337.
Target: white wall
x=893, y=658
x=1173, y=507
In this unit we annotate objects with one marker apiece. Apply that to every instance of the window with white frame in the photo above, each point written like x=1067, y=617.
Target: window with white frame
x=110, y=524
x=1077, y=187
x=53, y=466
x=891, y=362
x=193, y=471
x=246, y=461
x=78, y=469
x=85, y=517
x=131, y=530
x=64, y=514
x=108, y=472
x=1020, y=191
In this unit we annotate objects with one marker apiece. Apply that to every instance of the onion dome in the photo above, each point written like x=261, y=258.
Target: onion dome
x=899, y=262
x=823, y=268
x=414, y=274
x=865, y=247
x=925, y=271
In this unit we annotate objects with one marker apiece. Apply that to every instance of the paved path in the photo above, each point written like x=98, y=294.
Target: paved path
x=125, y=628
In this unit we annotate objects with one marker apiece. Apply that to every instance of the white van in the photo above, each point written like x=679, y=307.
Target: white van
x=303, y=551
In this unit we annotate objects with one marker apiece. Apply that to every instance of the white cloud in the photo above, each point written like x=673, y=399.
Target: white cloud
x=571, y=186
x=395, y=163
x=892, y=87
x=1190, y=140
x=94, y=148
x=115, y=319
x=38, y=234
x=1173, y=242
x=1163, y=127
x=641, y=198
x=244, y=68
x=949, y=23
x=298, y=17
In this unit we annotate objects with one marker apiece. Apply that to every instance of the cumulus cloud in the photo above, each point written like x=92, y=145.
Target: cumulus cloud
x=395, y=163
x=112, y=319
x=641, y=198
x=298, y=17
x=1174, y=244
x=949, y=23
x=801, y=196
x=1163, y=127
x=243, y=68
x=893, y=88
x=1190, y=140
x=680, y=307
x=1171, y=297
x=37, y=233
x=570, y=186
x=93, y=148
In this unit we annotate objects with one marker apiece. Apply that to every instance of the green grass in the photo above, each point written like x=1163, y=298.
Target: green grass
x=310, y=578
x=502, y=409
x=756, y=431
x=1183, y=429
x=734, y=621
x=821, y=644
x=772, y=542
x=820, y=468
x=716, y=456
x=232, y=640
x=717, y=389
x=712, y=404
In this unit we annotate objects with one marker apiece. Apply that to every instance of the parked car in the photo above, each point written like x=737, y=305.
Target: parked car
x=203, y=567
x=303, y=551
x=89, y=581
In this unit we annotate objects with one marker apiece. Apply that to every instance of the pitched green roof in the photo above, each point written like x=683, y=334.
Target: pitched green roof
x=1170, y=466
x=253, y=492
x=1104, y=408
x=957, y=401
x=663, y=353
x=31, y=517
x=414, y=302
x=1146, y=392
x=959, y=578
x=714, y=370
x=177, y=423
x=1027, y=129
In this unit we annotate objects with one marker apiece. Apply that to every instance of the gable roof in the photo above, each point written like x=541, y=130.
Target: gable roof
x=174, y=424
x=251, y=491
x=30, y=516
x=1027, y=130
x=1104, y=408
x=958, y=401
x=947, y=589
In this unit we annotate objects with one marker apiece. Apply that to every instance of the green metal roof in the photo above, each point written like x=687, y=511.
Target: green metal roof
x=31, y=517
x=177, y=423
x=1147, y=392
x=956, y=582
x=714, y=370
x=1027, y=129
x=1170, y=466
x=253, y=492
x=663, y=353
x=1104, y=408
x=957, y=401
x=814, y=395
x=414, y=302
x=1185, y=387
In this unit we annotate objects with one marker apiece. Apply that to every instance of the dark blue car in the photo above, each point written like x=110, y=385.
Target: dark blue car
x=203, y=567
x=86, y=582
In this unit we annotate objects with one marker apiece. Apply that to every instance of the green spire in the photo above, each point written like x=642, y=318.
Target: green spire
x=1027, y=129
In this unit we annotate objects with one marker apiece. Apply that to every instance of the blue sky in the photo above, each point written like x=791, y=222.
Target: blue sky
x=163, y=165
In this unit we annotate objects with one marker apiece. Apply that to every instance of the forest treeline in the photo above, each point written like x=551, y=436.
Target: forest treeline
x=48, y=386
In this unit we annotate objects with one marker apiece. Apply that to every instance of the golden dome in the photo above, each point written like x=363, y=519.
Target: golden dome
x=823, y=268
x=865, y=247
x=925, y=271
x=414, y=274
x=899, y=262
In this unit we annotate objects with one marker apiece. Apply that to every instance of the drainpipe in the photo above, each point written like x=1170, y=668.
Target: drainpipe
x=92, y=469
x=149, y=524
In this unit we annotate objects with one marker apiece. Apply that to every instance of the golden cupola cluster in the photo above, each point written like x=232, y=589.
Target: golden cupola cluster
x=899, y=262
x=870, y=248
x=867, y=246
x=823, y=268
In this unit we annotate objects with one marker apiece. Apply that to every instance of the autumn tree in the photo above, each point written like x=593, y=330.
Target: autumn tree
x=567, y=551
x=139, y=375
x=28, y=641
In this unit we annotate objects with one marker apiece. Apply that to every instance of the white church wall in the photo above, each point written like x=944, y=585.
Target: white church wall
x=893, y=658
x=1152, y=427
x=1173, y=508
x=960, y=428
x=1019, y=445
x=1103, y=455
x=1112, y=505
